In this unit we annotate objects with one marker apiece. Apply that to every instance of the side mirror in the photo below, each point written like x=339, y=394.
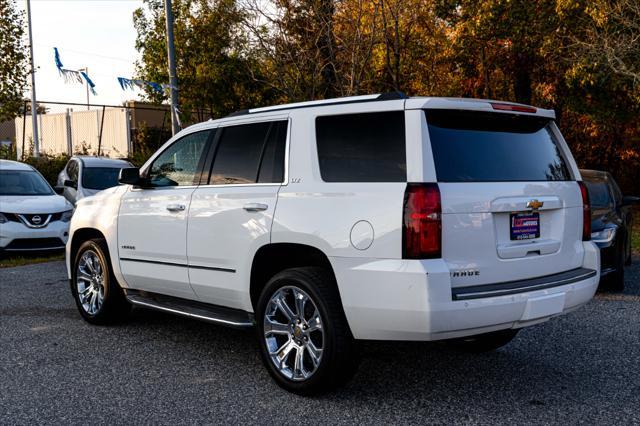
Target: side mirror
x=58, y=189
x=71, y=184
x=130, y=176
x=630, y=200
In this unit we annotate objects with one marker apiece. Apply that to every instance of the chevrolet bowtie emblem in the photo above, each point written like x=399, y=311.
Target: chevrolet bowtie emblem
x=534, y=204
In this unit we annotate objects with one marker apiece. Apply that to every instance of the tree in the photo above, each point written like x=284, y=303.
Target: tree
x=578, y=57
x=215, y=73
x=13, y=60
x=314, y=49
x=612, y=38
x=296, y=41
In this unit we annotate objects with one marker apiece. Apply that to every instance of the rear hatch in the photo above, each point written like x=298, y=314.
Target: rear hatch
x=511, y=208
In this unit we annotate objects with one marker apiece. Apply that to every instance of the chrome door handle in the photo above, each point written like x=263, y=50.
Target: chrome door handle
x=254, y=207
x=176, y=207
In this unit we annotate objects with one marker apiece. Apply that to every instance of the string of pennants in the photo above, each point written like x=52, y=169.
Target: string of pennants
x=77, y=76
x=73, y=76
x=128, y=83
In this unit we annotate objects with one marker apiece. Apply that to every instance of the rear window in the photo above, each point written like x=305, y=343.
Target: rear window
x=472, y=146
x=598, y=192
x=250, y=153
x=366, y=147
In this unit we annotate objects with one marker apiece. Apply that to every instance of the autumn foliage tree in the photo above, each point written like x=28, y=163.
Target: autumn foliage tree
x=579, y=57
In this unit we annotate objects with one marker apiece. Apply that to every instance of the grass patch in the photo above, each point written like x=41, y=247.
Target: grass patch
x=10, y=262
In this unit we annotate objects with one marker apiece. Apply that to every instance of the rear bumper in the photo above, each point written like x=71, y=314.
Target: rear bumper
x=413, y=300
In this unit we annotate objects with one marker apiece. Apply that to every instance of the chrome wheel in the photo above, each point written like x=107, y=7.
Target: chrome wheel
x=293, y=333
x=90, y=282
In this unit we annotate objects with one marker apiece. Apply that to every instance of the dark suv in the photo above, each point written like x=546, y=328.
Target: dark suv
x=611, y=225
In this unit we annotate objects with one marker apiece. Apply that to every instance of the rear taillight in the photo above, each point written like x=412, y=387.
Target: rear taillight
x=422, y=223
x=586, y=213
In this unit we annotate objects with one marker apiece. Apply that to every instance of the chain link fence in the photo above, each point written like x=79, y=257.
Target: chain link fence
x=133, y=130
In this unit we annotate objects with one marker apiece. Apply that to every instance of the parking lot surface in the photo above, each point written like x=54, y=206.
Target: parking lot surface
x=157, y=368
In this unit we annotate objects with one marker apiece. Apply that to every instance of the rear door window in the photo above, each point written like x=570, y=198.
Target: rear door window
x=250, y=153
x=272, y=163
x=472, y=146
x=366, y=147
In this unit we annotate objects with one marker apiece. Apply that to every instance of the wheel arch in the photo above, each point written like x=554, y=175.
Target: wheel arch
x=276, y=257
x=80, y=236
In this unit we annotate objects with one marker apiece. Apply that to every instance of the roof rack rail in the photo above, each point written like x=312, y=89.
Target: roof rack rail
x=389, y=96
x=239, y=112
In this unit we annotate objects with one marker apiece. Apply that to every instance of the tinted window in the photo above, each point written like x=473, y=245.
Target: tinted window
x=599, y=195
x=362, y=147
x=100, y=177
x=471, y=146
x=18, y=182
x=617, y=193
x=178, y=164
x=72, y=170
x=250, y=153
x=272, y=165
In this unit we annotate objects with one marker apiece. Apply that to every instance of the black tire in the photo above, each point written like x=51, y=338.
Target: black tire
x=114, y=307
x=615, y=281
x=340, y=355
x=627, y=261
x=484, y=342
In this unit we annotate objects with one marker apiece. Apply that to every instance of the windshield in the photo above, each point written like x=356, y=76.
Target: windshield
x=100, y=177
x=23, y=182
x=473, y=146
x=598, y=193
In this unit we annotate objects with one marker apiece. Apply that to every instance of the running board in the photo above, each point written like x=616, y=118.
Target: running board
x=191, y=309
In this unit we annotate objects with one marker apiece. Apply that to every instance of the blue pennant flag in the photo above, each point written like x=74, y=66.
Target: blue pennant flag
x=89, y=82
x=130, y=84
x=72, y=76
x=57, y=58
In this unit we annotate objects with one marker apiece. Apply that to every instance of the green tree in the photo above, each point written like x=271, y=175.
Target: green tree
x=13, y=60
x=216, y=76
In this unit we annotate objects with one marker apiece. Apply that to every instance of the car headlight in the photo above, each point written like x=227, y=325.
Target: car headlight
x=3, y=218
x=66, y=216
x=603, y=236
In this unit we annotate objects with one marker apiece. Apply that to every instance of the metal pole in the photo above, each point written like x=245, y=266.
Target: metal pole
x=100, y=134
x=161, y=133
x=86, y=83
x=24, y=128
x=173, y=80
x=34, y=109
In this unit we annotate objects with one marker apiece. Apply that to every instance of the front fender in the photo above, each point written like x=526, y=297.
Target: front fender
x=99, y=213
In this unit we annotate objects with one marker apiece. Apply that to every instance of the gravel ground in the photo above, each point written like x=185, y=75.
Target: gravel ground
x=55, y=368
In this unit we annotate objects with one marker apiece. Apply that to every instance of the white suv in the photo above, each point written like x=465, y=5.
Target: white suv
x=323, y=223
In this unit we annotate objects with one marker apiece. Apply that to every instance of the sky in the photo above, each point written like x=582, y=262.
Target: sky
x=97, y=34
